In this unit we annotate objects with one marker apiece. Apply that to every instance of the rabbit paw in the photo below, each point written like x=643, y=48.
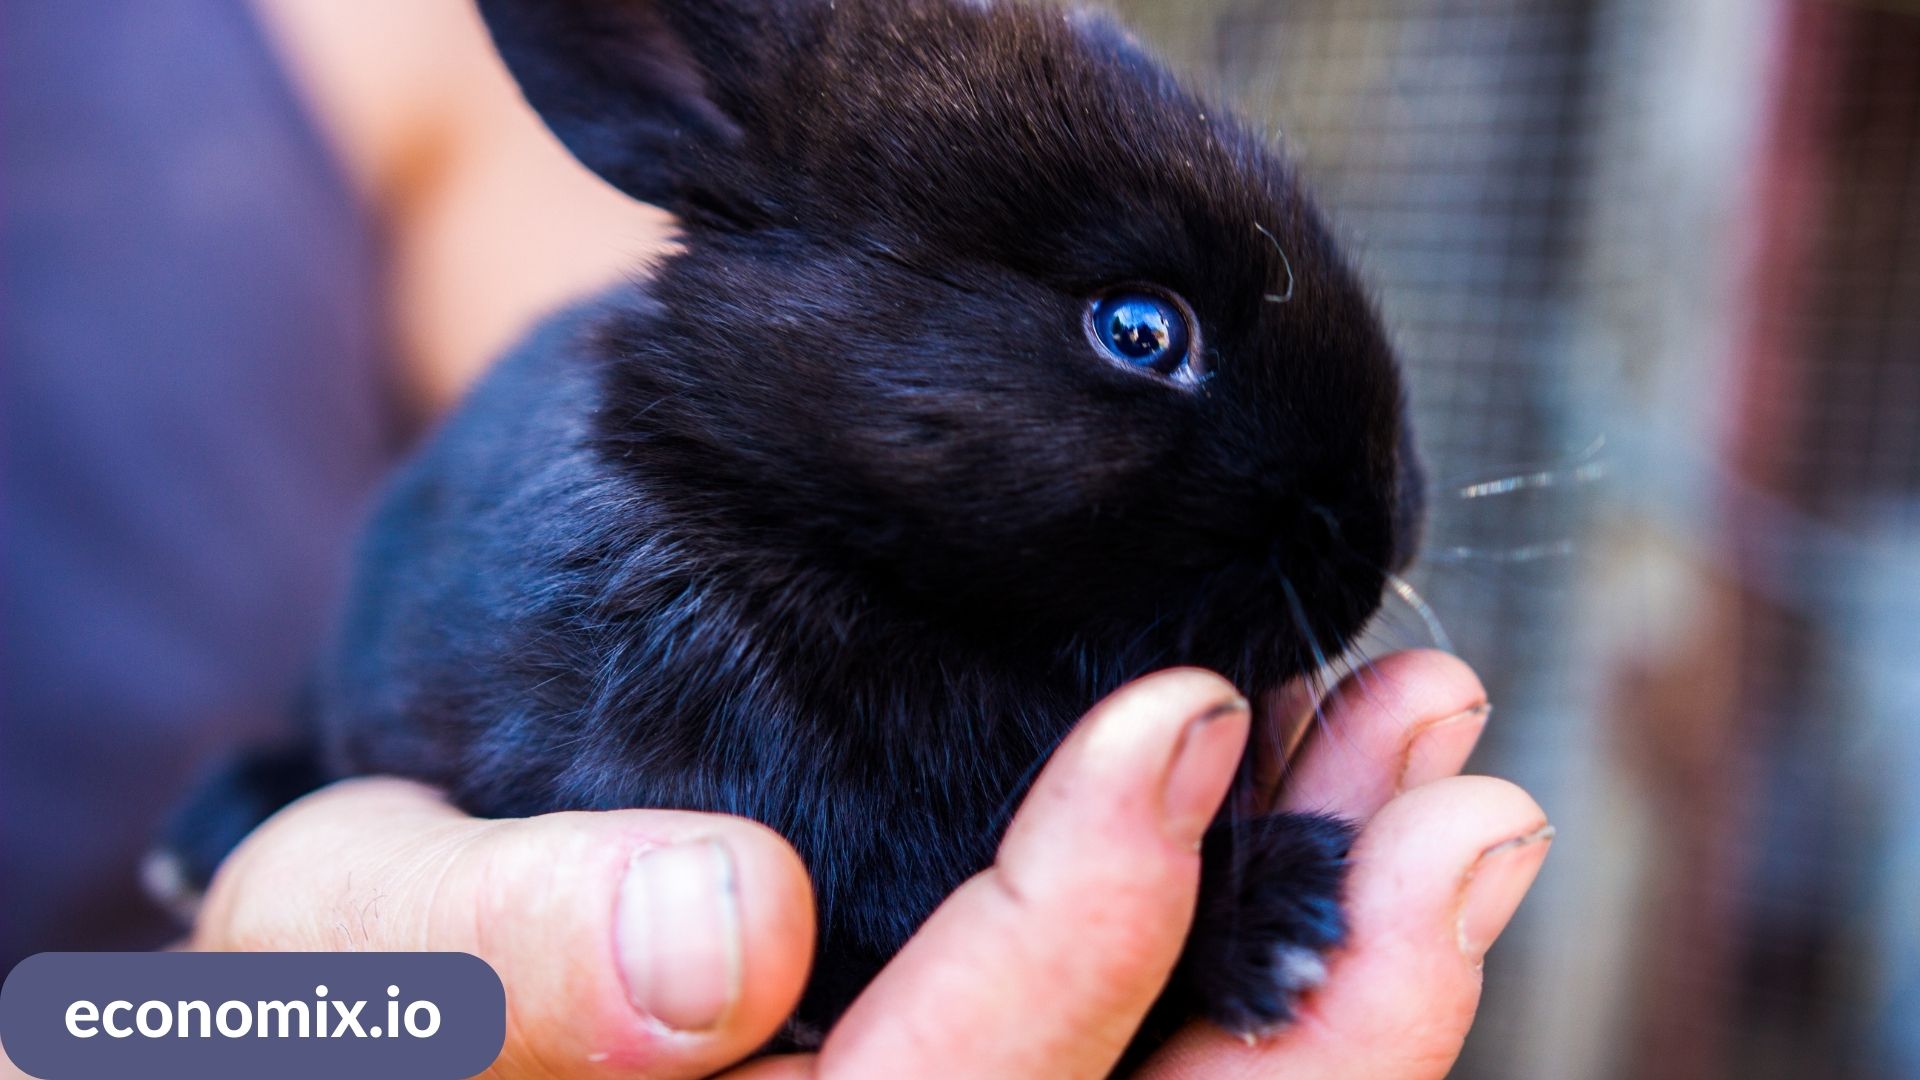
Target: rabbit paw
x=1269, y=912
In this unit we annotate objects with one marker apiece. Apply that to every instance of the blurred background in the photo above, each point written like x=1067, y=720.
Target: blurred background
x=1656, y=269
x=1655, y=266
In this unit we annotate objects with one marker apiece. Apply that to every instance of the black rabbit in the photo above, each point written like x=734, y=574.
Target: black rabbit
x=996, y=369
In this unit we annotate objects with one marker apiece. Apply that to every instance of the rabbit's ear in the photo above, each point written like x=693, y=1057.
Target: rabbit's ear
x=638, y=89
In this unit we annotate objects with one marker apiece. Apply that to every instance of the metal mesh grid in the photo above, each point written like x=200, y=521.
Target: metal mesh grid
x=1693, y=232
x=1446, y=140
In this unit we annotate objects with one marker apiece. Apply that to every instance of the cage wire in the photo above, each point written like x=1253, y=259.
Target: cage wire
x=1655, y=272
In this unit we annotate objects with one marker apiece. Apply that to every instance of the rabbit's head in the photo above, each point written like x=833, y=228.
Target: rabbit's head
x=983, y=316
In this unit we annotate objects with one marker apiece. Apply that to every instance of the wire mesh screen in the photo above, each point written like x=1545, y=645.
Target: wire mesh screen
x=1655, y=270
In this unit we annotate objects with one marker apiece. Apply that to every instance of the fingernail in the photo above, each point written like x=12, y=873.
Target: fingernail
x=677, y=934
x=1203, y=766
x=1439, y=747
x=1492, y=888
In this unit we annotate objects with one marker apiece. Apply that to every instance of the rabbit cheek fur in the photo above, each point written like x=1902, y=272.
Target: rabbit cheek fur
x=841, y=520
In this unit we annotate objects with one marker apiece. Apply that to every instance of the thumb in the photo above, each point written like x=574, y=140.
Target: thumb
x=632, y=943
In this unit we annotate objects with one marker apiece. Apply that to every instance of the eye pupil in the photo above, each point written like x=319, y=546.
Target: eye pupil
x=1139, y=333
x=1142, y=329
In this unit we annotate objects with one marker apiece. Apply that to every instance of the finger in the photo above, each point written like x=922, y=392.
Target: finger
x=1044, y=964
x=632, y=943
x=1436, y=876
x=1397, y=723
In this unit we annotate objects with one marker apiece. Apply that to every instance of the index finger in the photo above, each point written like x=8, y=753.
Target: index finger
x=1044, y=964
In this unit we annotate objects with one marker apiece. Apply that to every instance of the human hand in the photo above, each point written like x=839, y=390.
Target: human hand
x=632, y=943
x=1043, y=965
x=644, y=943
x=1439, y=868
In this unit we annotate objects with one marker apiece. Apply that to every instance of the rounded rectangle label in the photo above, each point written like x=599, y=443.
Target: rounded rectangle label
x=287, y=1015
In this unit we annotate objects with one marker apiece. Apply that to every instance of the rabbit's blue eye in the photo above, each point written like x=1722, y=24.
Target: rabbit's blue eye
x=1141, y=329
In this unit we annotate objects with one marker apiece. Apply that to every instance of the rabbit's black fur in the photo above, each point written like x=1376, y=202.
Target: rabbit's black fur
x=840, y=521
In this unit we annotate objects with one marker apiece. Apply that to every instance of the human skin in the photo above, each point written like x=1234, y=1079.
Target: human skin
x=609, y=930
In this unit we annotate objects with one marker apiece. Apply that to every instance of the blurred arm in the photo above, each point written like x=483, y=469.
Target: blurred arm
x=489, y=223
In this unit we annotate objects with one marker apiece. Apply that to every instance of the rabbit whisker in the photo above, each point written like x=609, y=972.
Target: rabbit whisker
x=1319, y=655
x=1526, y=553
x=1410, y=596
x=1586, y=467
x=1276, y=298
